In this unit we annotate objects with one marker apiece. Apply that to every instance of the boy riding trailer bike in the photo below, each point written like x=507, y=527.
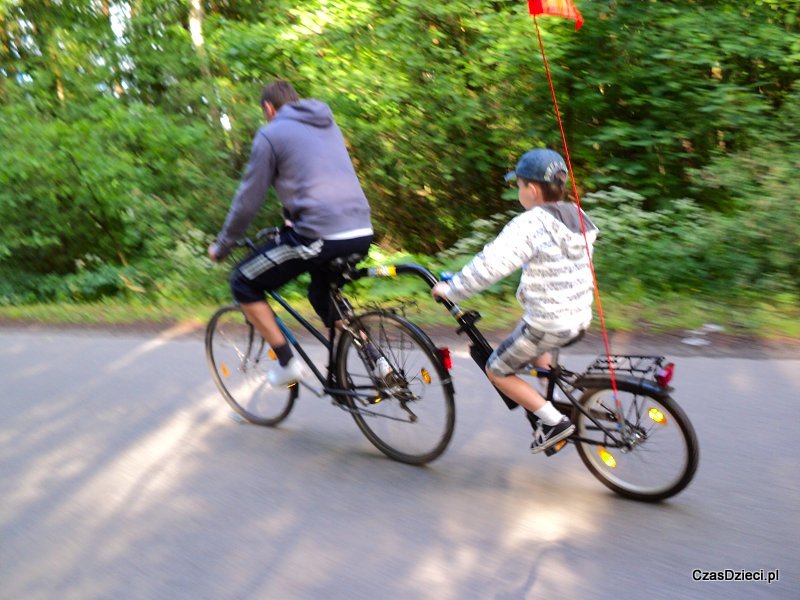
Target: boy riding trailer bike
x=555, y=291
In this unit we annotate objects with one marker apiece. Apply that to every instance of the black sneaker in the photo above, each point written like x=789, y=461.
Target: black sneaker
x=545, y=436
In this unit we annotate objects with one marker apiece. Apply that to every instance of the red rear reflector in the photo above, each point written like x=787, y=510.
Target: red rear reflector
x=444, y=354
x=664, y=375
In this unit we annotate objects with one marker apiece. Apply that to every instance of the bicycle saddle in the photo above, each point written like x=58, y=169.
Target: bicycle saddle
x=576, y=339
x=342, y=264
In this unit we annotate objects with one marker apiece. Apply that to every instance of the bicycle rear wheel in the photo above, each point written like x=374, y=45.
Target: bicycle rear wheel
x=659, y=454
x=239, y=358
x=411, y=419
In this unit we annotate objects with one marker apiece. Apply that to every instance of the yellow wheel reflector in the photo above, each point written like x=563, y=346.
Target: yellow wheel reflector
x=657, y=416
x=272, y=355
x=426, y=377
x=224, y=370
x=606, y=457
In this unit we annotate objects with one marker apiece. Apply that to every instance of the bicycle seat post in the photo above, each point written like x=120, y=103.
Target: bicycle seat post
x=341, y=270
x=555, y=353
x=340, y=304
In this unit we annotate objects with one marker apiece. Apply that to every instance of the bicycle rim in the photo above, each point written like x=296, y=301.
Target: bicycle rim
x=239, y=360
x=663, y=456
x=415, y=423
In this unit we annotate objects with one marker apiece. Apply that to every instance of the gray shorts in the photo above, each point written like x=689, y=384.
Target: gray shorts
x=523, y=346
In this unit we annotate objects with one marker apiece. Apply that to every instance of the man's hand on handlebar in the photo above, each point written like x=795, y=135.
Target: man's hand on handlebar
x=217, y=252
x=214, y=252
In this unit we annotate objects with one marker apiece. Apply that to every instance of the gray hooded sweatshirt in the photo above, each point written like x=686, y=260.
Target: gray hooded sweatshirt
x=302, y=153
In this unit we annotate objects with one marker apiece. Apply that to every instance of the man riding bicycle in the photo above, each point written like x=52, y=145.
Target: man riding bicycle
x=301, y=153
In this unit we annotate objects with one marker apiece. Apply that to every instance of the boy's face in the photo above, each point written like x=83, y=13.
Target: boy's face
x=529, y=194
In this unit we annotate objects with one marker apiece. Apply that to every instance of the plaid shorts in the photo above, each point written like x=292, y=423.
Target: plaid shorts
x=523, y=346
x=285, y=258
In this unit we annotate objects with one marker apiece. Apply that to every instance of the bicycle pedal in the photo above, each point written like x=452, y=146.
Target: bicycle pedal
x=555, y=448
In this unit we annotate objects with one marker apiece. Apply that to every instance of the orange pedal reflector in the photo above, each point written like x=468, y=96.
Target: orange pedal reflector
x=555, y=448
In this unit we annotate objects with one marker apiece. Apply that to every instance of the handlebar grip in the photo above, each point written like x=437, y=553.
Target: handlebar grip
x=269, y=233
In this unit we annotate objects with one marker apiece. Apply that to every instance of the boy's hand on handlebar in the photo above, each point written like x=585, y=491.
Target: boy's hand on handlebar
x=439, y=291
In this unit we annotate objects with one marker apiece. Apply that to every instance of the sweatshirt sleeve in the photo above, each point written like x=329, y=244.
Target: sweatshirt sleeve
x=250, y=195
x=498, y=259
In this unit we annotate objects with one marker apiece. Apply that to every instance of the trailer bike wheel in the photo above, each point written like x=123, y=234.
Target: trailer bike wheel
x=658, y=452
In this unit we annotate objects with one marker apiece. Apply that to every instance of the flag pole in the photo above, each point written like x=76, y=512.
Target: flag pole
x=580, y=211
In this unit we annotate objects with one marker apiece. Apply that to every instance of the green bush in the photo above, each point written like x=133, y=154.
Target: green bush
x=116, y=170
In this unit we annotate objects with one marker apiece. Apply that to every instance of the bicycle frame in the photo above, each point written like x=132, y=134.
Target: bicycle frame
x=328, y=343
x=339, y=305
x=343, y=272
x=480, y=350
x=557, y=377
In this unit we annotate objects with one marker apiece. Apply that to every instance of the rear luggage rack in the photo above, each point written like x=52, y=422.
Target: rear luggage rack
x=645, y=367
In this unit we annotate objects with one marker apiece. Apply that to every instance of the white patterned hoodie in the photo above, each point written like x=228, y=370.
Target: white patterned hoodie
x=556, y=289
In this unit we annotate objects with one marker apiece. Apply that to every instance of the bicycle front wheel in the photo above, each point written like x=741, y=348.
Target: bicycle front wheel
x=656, y=454
x=239, y=359
x=411, y=419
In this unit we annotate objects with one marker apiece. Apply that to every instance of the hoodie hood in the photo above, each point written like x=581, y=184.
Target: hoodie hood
x=566, y=231
x=308, y=111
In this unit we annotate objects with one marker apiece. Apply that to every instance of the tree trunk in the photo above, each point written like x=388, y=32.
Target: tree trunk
x=196, y=17
x=114, y=55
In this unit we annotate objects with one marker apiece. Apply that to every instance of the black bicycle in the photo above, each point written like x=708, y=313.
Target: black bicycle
x=381, y=368
x=630, y=433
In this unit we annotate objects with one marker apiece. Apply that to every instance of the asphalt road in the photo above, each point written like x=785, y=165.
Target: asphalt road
x=122, y=475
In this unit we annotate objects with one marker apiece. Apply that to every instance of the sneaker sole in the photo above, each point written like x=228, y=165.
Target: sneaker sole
x=554, y=440
x=281, y=384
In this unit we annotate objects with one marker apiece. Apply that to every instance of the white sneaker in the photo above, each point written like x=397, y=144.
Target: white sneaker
x=293, y=372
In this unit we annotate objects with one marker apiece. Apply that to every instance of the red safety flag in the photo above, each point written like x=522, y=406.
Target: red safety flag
x=558, y=8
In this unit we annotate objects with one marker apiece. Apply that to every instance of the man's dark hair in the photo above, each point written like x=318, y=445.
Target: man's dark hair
x=278, y=93
x=552, y=191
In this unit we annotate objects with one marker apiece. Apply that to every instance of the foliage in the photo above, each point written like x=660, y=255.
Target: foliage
x=678, y=82
x=117, y=169
x=759, y=242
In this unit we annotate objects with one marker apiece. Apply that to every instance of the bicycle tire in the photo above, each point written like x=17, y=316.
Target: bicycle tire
x=662, y=461
x=238, y=358
x=426, y=390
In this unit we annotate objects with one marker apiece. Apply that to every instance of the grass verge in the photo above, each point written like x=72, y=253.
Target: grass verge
x=773, y=320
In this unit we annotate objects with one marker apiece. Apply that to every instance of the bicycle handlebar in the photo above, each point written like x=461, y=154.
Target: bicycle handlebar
x=412, y=269
x=267, y=232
